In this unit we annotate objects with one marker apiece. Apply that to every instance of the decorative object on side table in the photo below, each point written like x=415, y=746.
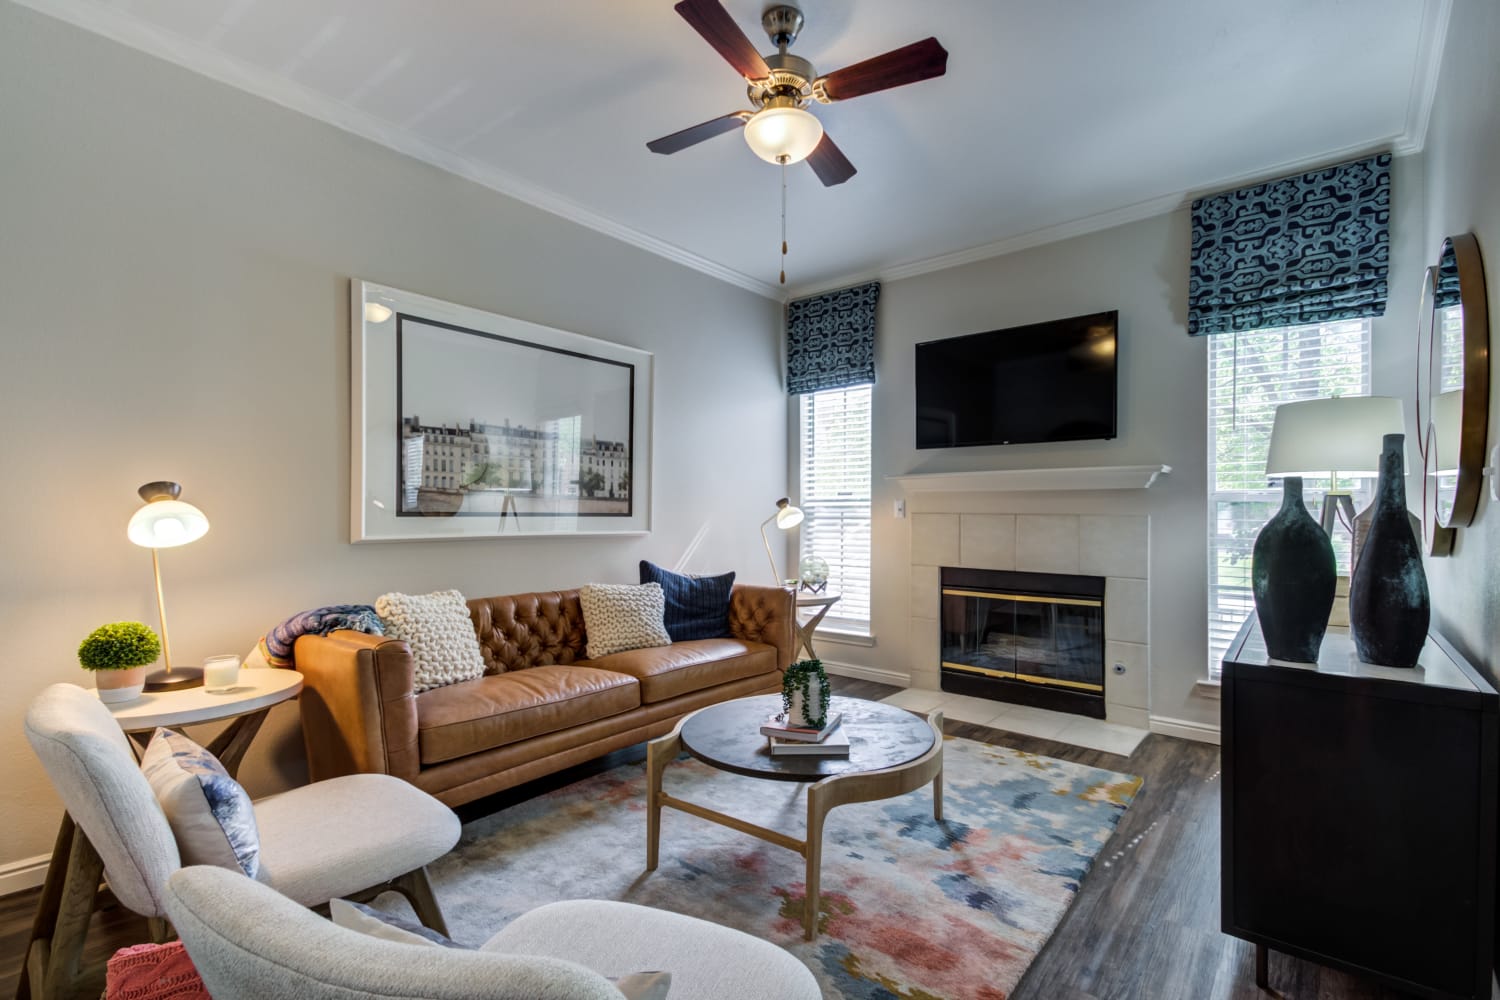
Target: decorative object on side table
x=805, y=693
x=1389, y=605
x=117, y=654
x=814, y=574
x=221, y=673
x=166, y=522
x=786, y=517
x=1338, y=438
x=1294, y=577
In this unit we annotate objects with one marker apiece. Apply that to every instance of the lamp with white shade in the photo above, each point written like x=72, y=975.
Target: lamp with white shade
x=786, y=517
x=1334, y=438
x=166, y=522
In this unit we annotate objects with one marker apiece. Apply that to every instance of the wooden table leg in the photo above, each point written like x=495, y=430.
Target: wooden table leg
x=229, y=746
x=659, y=753
x=1262, y=966
x=867, y=786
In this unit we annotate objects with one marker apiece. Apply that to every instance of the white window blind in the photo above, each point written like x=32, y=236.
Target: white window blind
x=1249, y=375
x=836, y=497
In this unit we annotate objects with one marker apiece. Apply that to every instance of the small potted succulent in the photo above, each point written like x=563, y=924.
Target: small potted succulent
x=117, y=655
x=805, y=693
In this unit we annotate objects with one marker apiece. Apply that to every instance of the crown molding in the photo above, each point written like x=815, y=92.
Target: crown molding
x=117, y=26
x=1426, y=72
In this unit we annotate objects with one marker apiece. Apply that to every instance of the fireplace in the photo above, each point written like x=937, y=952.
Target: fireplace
x=1028, y=638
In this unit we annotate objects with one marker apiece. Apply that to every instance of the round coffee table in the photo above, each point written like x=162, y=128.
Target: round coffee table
x=891, y=752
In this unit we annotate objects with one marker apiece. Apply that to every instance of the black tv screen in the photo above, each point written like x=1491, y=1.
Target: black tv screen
x=1044, y=382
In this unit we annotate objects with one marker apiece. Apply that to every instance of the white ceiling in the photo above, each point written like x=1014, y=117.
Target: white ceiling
x=1055, y=117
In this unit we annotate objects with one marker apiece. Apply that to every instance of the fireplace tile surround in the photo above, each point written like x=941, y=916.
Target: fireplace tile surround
x=1116, y=547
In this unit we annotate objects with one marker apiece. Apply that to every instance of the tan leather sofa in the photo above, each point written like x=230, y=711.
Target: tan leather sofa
x=541, y=706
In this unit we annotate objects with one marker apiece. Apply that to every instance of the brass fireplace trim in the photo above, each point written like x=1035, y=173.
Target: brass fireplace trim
x=1028, y=678
x=1023, y=598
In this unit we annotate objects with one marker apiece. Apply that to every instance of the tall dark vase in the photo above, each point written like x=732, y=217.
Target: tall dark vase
x=1389, y=607
x=1293, y=574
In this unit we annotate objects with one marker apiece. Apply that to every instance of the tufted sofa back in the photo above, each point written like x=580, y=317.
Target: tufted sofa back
x=529, y=630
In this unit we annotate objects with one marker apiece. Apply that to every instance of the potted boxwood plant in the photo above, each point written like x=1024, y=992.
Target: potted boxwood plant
x=805, y=693
x=117, y=655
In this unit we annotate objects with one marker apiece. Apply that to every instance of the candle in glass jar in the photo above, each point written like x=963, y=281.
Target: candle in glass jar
x=221, y=673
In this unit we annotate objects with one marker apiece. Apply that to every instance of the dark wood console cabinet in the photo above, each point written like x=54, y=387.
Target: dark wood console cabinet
x=1359, y=814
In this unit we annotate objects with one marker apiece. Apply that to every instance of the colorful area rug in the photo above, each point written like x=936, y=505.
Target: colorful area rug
x=911, y=908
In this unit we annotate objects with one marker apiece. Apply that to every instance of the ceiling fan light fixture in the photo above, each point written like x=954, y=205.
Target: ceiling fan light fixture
x=789, y=133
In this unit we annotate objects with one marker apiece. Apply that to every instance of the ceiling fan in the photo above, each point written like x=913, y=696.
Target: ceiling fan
x=781, y=129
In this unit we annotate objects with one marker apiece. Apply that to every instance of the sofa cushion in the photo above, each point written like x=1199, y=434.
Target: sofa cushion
x=439, y=632
x=619, y=616
x=683, y=667
x=697, y=606
x=461, y=719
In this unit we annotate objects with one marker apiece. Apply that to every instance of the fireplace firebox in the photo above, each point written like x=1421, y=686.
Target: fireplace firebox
x=1027, y=638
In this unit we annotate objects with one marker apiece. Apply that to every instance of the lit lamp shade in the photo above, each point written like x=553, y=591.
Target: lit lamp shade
x=165, y=524
x=790, y=132
x=1447, y=412
x=788, y=517
x=1341, y=435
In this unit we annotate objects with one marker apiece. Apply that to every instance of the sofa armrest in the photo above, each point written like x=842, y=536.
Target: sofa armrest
x=359, y=712
x=765, y=614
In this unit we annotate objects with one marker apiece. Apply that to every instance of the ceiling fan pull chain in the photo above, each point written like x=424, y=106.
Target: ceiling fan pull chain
x=783, y=218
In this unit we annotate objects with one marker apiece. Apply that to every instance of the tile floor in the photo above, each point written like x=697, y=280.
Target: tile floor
x=1095, y=734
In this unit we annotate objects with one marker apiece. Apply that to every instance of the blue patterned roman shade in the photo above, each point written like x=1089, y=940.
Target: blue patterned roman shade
x=1307, y=249
x=830, y=339
x=1446, y=293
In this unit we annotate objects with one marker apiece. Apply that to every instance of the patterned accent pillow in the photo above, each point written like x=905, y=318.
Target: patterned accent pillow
x=697, y=606
x=210, y=815
x=386, y=926
x=440, y=633
x=618, y=616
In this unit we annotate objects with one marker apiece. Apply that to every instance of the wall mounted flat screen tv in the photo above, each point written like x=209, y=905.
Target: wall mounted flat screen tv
x=1044, y=382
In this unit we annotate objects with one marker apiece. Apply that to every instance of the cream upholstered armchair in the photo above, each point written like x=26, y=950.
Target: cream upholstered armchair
x=247, y=941
x=345, y=837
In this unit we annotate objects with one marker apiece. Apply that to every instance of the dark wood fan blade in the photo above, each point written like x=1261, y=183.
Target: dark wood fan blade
x=712, y=21
x=695, y=134
x=918, y=61
x=830, y=163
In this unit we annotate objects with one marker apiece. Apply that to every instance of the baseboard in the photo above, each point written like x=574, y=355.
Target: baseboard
x=895, y=677
x=28, y=873
x=1202, y=732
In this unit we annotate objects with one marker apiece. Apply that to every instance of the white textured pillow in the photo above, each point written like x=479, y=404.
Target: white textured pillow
x=620, y=616
x=211, y=817
x=440, y=633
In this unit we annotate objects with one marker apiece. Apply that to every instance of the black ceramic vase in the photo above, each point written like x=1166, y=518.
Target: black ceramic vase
x=1389, y=607
x=1293, y=574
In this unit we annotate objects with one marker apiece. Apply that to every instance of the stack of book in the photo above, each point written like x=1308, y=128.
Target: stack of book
x=787, y=740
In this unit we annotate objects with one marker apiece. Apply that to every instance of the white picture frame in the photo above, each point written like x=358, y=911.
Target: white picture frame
x=467, y=424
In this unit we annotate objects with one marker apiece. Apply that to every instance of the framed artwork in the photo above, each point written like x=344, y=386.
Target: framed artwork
x=468, y=424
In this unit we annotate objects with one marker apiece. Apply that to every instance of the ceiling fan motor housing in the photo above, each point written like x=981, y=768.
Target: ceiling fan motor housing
x=791, y=77
x=782, y=22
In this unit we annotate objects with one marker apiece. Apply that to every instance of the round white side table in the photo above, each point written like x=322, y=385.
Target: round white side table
x=258, y=690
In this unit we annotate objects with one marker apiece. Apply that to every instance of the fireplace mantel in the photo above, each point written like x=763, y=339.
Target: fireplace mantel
x=1099, y=477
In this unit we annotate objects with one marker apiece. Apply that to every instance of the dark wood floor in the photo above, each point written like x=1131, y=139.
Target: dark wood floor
x=1144, y=926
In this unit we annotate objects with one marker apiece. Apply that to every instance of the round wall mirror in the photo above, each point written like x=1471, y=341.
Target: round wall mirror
x=1453, y=389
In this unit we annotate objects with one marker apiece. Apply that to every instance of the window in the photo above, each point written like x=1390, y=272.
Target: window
x=836, y=497
x=1249, y=375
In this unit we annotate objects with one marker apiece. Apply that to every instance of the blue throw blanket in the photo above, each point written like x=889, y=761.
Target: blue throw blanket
x=277, y=644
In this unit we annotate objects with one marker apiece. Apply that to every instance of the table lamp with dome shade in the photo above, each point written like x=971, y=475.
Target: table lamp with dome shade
x=166, y=522
x=786, y=517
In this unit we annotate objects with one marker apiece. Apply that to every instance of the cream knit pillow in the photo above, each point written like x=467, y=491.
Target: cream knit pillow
x=618, y=617
x=440, y=633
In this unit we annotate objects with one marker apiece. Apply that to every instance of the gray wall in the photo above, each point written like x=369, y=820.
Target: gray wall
x=174, y=268
x=1141, y=270
x=1463, y=149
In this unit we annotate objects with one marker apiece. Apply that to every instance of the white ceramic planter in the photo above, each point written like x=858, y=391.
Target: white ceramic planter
x=798, y=715
x=118, y=686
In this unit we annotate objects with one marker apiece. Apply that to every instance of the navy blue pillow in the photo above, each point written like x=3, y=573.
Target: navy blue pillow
x=697, y=606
